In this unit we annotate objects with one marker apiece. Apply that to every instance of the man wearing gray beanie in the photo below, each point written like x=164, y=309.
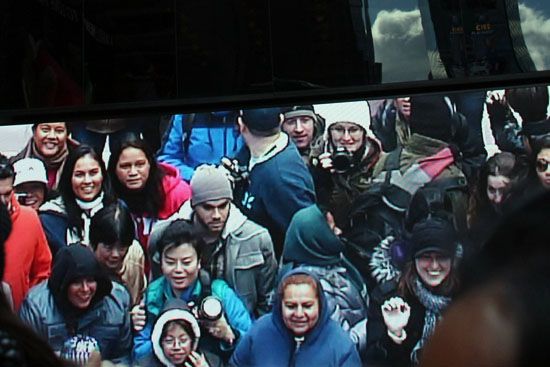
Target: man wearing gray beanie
x=237, y=249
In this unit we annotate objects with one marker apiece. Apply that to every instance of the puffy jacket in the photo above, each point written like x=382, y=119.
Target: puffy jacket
x=270, y=343
x=212, y=136
x=159, y=292
x=49, y=312
x=250, y=265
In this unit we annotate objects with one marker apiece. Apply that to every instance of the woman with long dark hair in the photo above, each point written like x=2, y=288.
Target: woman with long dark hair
x=151, y=190
x=84, y=189
x=404, y=312
x=497, y=178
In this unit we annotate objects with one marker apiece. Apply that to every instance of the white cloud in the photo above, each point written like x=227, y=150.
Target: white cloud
x=536, y=31
x=399, y=45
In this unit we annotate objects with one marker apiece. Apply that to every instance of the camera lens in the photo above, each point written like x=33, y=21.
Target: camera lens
x=341, y=160
x=211, y=308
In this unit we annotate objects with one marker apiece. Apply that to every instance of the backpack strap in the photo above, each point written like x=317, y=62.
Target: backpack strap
x=206, y=283
x=187, y=122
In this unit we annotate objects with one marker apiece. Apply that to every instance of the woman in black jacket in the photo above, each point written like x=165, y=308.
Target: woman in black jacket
x=403, y=313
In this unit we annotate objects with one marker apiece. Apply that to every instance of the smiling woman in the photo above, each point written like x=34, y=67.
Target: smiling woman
x=84, y=190
x=299, y=331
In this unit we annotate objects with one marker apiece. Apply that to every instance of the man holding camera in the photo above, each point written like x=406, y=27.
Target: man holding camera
x=279, y=183
x=342, y=167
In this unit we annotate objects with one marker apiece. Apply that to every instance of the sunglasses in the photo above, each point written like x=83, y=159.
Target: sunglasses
x=542, y=165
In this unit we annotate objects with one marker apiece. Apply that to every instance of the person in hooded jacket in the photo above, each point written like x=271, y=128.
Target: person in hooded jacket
x=299, y=331
x=199, y=138
x=79, y=310
x=342, y=165
x=312, y=245
x=175, y=338
x=153, y=191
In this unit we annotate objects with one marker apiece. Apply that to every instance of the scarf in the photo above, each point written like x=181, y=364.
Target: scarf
x=55, y=162
x=434, y=305
x=89, y=208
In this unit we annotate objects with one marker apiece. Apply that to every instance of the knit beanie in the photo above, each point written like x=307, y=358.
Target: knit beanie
x=295, y=111
x=262, y=119
x=434, y=235
x=209, y=183
x=431, y=116
x=357, y=112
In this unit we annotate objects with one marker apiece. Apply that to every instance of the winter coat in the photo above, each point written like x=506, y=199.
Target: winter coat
x=28, y=257
x=270, y=343
x=310, y=244
x=279, y=184
x=337, y=191
x=250, y=265
x=177, y=192
x=159, y=292
x=53, y=216
x=212, y=136
x=107, y=320
x=389, y=127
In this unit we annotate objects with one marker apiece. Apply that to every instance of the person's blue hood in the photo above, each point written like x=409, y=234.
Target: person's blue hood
x=324, y=315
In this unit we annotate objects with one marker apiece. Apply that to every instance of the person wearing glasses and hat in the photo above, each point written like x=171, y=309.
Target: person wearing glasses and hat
x=342, y=166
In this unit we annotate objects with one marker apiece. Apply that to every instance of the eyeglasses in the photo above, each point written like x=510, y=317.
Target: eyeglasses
x=353, y=131
x=173, y=342
x=542, y=165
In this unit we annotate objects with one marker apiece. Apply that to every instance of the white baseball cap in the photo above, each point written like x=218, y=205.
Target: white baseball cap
x=29, y=170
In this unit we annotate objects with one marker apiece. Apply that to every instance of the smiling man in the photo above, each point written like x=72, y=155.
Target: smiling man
x=304, y=127
x=50, y=142
x=28, y=257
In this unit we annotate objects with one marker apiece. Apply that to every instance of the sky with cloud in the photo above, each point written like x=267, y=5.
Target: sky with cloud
x=400, y=45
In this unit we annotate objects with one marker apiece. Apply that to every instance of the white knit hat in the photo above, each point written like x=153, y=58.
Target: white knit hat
x=357, y=112
x=29, y=170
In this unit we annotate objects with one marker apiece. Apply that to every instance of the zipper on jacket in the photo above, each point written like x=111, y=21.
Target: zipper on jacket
x=299, y=341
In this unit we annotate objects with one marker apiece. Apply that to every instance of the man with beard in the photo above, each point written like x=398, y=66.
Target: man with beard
x=237, y=249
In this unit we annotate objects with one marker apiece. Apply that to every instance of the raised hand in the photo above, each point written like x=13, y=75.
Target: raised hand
x=139, y=318
x=396, y=313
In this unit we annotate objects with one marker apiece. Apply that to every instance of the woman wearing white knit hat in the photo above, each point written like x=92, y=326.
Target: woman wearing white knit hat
x=343, y=163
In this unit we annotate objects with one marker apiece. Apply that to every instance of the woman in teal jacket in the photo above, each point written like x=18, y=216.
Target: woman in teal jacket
x=179, y=252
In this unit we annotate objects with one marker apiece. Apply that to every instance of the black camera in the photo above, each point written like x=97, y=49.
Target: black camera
x=342, y=160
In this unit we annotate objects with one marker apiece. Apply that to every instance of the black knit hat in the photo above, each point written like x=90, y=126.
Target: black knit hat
x=431, y=116
x=262, y=119
x=294, y=111
x=434, y=235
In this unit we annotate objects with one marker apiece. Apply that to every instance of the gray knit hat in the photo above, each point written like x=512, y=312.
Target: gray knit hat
x=209, y=183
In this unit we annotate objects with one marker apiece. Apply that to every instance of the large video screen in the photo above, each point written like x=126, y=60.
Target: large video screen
x=363, y=209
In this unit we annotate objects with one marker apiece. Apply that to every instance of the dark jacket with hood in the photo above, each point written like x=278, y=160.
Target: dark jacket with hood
x=271, y=343
x=310, y=244
x=49, y=312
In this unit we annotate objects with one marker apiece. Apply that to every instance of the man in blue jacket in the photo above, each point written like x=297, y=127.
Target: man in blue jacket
x=279, y=183
x=199, y=138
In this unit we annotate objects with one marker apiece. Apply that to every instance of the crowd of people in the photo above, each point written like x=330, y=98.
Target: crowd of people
x=330, y=234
